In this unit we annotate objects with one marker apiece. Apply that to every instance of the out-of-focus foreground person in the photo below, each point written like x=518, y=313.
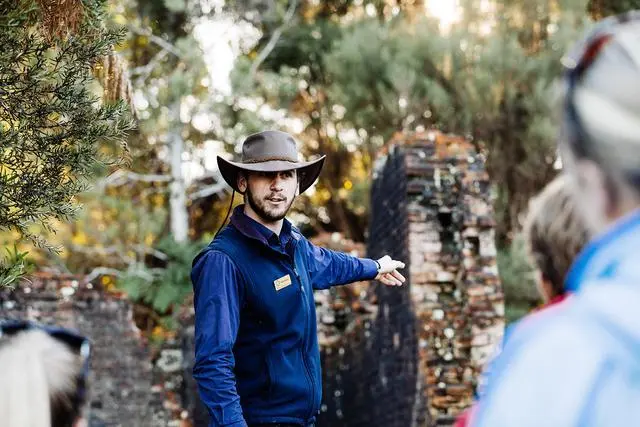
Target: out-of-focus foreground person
x=42, y=376
x=579, y=364
x=554, y=233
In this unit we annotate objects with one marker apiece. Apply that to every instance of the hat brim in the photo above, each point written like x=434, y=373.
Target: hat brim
x=308, y=171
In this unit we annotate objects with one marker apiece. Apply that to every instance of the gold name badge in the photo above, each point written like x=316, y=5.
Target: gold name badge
x=282, y=282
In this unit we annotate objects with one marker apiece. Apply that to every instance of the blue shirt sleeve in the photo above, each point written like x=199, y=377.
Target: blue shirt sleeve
x=329, y=268
x=217, y=300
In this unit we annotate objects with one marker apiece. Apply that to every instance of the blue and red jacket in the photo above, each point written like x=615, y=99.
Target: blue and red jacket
x=257, y=357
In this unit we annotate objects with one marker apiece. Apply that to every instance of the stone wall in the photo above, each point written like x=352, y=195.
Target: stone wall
x=412, y=356
x=131, y=384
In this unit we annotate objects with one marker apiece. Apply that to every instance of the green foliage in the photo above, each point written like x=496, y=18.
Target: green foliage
x=518, y=281
x=354, y=82
x=14, y=267
x=166, y=287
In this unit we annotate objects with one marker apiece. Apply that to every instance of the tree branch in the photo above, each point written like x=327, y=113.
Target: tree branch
x=146, y=274
x=207, y=191
x=117, y=250
x=144, y=70
x=155, y=39
x=273, y=40
x=122, y=176
x=102, y=271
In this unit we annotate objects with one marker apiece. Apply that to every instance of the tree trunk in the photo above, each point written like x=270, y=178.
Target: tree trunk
x=178, y=198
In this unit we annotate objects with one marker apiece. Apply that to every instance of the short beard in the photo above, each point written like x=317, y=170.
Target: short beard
x=260, y=208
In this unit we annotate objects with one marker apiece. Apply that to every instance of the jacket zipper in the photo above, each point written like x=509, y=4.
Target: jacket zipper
x=306, y=332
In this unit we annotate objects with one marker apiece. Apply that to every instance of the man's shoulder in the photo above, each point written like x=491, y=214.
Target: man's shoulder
x=212, y=255
x=221, y=249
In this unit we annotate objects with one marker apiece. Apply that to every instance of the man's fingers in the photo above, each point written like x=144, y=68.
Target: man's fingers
x=398, y=276
x=389, y=280
x=385, y=280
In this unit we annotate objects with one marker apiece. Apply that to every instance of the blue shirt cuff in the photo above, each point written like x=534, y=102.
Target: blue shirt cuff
x=370, y=268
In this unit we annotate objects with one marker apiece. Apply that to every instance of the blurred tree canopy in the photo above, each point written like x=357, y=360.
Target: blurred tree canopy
x=353, y=73
x=343, y=76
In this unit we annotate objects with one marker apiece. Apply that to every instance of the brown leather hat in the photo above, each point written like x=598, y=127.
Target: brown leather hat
x=270, y=151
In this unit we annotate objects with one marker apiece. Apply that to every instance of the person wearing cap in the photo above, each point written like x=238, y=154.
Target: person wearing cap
x=257, y=360
x=578, y=364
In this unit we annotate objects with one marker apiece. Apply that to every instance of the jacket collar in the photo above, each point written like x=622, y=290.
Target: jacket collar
x=254, y=230
x=612, y=254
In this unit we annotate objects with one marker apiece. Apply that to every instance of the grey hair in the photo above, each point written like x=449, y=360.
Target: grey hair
x=607, y=101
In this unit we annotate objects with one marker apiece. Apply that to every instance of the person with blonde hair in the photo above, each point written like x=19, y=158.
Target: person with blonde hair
x=579, y=364
x=554, y=234
x=43, y=374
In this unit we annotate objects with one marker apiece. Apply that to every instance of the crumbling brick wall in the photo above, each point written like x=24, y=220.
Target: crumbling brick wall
x=131, y=386
x=412, y=357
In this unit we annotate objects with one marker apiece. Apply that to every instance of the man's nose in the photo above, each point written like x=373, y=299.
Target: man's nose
x=276, y=183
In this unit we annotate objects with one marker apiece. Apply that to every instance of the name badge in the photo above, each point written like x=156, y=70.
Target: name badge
x=282, y=282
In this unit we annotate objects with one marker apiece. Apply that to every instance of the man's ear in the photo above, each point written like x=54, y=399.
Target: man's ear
x=242, y=182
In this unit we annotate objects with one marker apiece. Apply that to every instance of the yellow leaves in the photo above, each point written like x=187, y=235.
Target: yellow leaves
x=323, y=194
x=160, y=333
x=108, y=283
x=158, y=200
x=120, y=19
x=80, y=238
x=348, y=185
x=149, y=239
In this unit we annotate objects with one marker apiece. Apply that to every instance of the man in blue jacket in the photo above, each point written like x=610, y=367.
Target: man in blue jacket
x=578, y=364
x=257, y=357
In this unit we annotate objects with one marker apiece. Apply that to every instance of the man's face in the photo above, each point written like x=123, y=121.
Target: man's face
x=269, y=194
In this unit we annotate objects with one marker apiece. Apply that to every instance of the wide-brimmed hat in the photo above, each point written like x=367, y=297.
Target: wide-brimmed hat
x=270, y=151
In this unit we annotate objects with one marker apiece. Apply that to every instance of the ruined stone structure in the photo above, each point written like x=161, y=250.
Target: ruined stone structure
x=413, y=355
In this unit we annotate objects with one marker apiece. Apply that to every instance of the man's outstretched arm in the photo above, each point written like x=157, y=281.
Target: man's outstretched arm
x=217, y=298
x=330, y=268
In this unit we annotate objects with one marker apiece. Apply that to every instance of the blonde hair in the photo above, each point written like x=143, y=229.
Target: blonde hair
x=38, y=381
x=554, y=232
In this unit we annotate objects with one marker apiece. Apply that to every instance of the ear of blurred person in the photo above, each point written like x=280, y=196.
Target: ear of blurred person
x=40, y=378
